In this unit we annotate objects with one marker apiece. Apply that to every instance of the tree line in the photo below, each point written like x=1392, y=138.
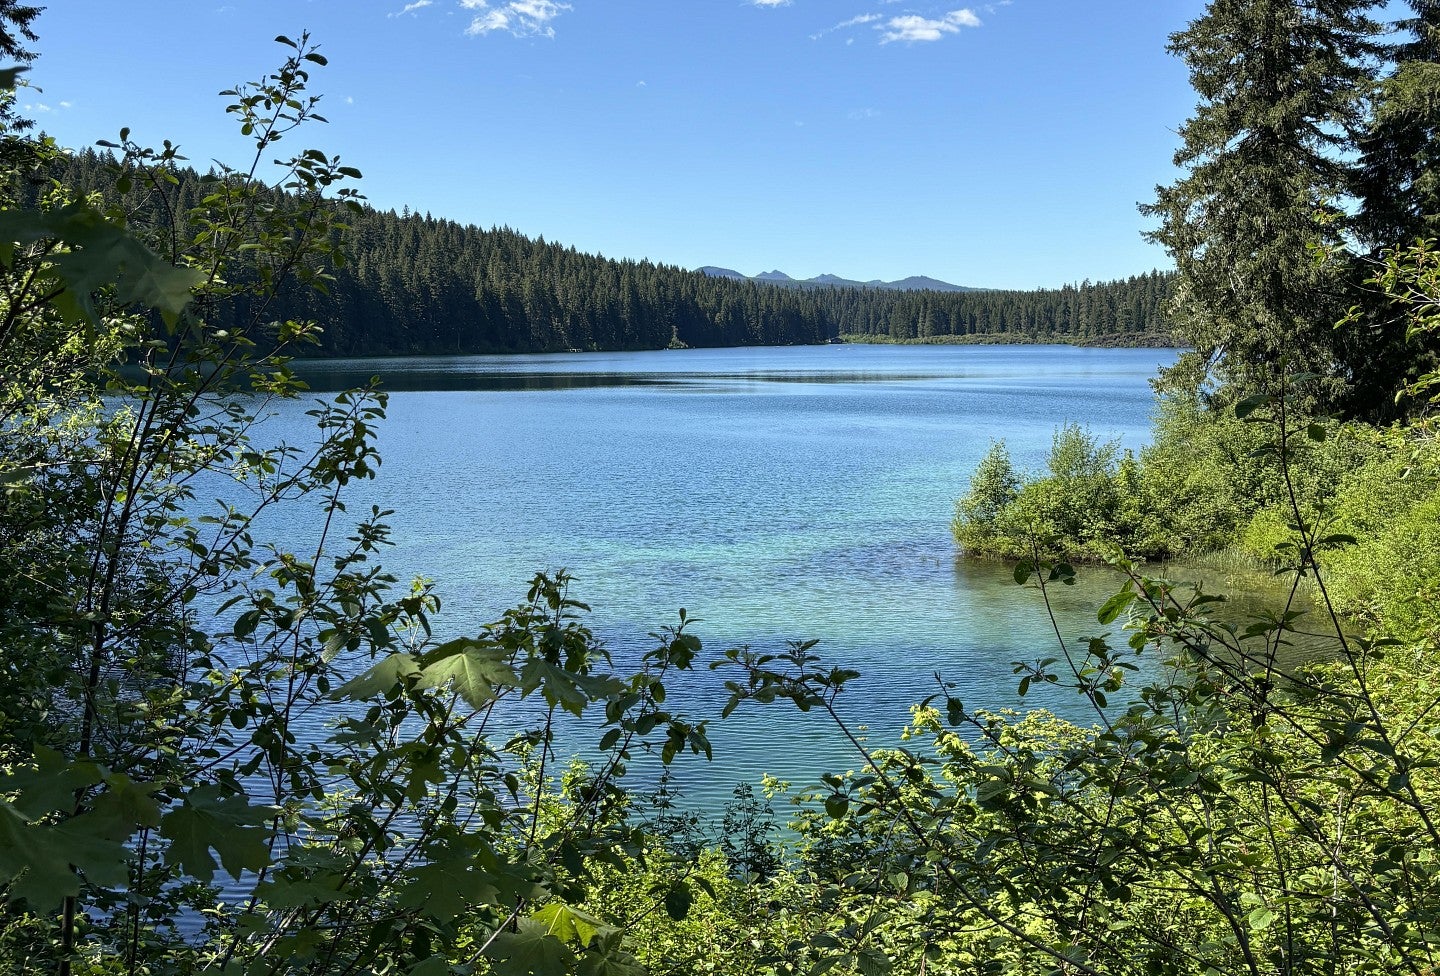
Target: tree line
x=418, y=284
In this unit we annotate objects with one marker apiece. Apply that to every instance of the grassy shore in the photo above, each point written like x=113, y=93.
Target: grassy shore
x=1129, y=341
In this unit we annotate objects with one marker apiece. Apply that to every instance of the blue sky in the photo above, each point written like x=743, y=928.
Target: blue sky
x=1000, y=144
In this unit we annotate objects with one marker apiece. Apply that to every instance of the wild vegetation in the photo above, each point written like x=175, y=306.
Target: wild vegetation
x=170, y=802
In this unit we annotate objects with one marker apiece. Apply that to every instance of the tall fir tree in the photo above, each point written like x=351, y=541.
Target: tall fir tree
x=16, y=31
x=1397, y=188
x=1281, y=86
x=19, y=157
x=1398, y=180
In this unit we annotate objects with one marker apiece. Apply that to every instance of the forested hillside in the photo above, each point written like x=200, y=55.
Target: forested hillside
x=421, y=284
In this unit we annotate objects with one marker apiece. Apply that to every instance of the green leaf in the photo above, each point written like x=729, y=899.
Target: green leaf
x=246, y=623
x=15, y=476
x=1114, y=606
x=150, y=281
x=382, y=679
x=873, y=962
x=282, y=891
x=1260, y=919
x=473, y=670
x=41, y=862
x=104, y=860
x=678, y=901
x=607, y=958
x=570, y=925
x=127, y=805
x=567, y=689
x=530, y=951
x=48, y=786
x=434, y=966
x=1250, y=404
x=448, y=888
x=225, y=822
x=10, y=77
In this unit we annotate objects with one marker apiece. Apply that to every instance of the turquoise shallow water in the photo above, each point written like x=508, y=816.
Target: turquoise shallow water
x=776, y=493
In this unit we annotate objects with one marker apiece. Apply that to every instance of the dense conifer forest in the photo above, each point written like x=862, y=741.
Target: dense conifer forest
x=421, y=284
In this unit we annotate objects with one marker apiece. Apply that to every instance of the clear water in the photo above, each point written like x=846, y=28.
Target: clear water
x=775, y=493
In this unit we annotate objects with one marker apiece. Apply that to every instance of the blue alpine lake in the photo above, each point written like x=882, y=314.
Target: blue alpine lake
x=777, y=494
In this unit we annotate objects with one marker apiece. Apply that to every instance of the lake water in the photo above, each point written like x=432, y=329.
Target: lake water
x=775, y=493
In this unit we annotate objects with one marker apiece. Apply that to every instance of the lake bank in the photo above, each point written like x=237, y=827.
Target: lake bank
x=1137, y=340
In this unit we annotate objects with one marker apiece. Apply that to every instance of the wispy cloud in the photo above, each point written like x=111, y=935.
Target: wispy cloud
x=522, y=18
x=410, y=8
x=911, y=28
x=855, y=21
x=864, y=113
x=769, y=3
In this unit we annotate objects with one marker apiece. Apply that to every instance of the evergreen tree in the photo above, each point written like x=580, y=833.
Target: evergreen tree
x=1280, y=85
x=16, y=32
x=1398, y=181
x=1398, y=188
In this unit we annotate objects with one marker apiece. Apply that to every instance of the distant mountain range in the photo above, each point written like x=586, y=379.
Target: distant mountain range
x=913, y=283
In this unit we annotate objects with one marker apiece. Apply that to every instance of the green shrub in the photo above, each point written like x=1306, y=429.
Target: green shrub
x=993, y=488
x=1084, y=499
x=1390, y=577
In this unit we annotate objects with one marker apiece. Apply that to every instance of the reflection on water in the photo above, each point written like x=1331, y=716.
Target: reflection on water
x=1049, y=365
x=334, y=379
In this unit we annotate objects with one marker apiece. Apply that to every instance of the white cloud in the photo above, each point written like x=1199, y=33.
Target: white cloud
x=769, y=3
x=64, y=104
x=523, y=18
x=864, y=113
x=410, y=8
x=852, y=22
x=912, y=27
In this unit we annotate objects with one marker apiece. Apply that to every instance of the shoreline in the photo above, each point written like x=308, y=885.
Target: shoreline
x=849, y=339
